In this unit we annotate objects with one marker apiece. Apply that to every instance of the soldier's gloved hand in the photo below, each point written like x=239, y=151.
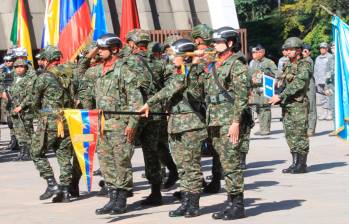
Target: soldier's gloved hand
x=130, y=134
x=145, y=110
x=234, y=132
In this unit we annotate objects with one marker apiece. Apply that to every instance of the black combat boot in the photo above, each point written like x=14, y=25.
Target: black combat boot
x=155, y=197
x=243, y=160
x=63, y=195
x=106, y=209
x=215, y=185
x=171, y=180
x=120, y=206
x=181, y=210
x=13, y=145
x=74, y=187
x=97, y=172
x=193, y=208
x=294, y=161
x=52, y=188
x=301, y=165
x=234, y=210
x=25, y=153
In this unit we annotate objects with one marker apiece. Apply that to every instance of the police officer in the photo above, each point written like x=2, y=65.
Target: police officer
x=260, y=66
x=228, y=116
x=294, y=104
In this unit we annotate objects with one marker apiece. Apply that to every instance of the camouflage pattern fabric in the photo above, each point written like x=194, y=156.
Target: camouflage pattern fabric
x=311, y=94
x=295, y=105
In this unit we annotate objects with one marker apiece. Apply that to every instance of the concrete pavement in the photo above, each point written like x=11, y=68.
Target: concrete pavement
x=320, y=196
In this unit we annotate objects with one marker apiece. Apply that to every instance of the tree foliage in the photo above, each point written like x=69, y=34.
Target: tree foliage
x=253, y=10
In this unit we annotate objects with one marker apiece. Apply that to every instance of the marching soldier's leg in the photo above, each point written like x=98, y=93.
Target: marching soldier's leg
x=312, y=117
x=13, y=144
x=264, y=117
x=215, y=185
x=233, y=174
x=64, y=155
x=39, y=145
x=149, y=140
x=186, y=149
x=76, y=175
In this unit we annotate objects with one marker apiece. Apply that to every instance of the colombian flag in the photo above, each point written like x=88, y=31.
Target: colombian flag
x=20, y=31
x=83, y=129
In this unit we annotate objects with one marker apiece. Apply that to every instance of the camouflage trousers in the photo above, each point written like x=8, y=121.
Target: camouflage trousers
x=263, y=111
x=229, y=156
x=46, y=138
x=148, y=135
x=23, y=129
x=115, y=154
x=163, y=147
x=312, y=116
x=295, y=122
x=186, y=151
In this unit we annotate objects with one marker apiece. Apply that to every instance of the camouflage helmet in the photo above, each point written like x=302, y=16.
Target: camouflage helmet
x=52, y=53
x=137, y=36
x=20, y=62
x=21, y=52
x=203, y=31
x=293, y=42
x=170, y=40
x=40, y=55
x=154, y=47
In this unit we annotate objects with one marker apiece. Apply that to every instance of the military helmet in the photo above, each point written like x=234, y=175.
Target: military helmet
x=155, y=47
x=170, y=40
x=52, y=53
x=226, y=34
x=182, y=46
x=9, y=57
x=293, y=42
x=20, y=62
x=109, y=40
x=21, y=52
x=138, y=35
x=203, y=31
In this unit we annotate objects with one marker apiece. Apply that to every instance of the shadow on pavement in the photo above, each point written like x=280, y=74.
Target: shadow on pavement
x=264, y=163
x=322, y=133
x=325, y=166
x=223, y=204
x=259, y=184
x=249, y=173
x=277, y=132
x=262, y=138
x=9, y=156
x=273, y=206
x=122, y=217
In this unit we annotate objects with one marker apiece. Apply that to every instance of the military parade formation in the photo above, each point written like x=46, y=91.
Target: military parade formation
x=195, y=96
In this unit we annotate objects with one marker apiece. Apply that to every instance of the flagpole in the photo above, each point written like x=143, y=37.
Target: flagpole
x=327, y=10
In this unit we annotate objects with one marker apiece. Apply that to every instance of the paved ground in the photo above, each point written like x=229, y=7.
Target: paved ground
x=320, y=196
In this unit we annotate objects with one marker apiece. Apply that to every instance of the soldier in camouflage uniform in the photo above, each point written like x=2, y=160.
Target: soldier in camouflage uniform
x=186, y=127
x=294, y=83
x=228, y=117
x=7, y=75
x=21, y=107
x=50, y=94
x=116, y=89
x=259, y=66
x=311, y=93
x=148, y=129
x=202, y=36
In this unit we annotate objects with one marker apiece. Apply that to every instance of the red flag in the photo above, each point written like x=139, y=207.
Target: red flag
x=129, y=18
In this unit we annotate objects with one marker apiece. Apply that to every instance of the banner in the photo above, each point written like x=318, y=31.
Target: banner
x=20, y=31
x=98, y=22
x=129, y=18
x=83, y=130
x=50, y=35
x=341, y=91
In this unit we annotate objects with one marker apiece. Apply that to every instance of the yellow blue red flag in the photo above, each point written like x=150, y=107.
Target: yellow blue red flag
x=83, y=129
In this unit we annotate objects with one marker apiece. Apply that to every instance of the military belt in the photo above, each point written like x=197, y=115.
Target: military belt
x=217, y=99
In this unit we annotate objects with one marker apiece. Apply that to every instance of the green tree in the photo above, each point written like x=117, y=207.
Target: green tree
x=254, y=10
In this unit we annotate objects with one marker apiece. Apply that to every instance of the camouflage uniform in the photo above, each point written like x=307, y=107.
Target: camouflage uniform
x=20, y=95
x=257, y=69
x=186, y=129
x=114, y=92
x=311, y=94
